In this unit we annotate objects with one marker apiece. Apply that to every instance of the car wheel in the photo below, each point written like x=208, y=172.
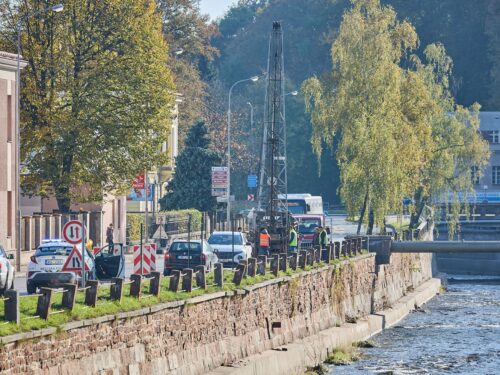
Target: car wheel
x=31, y=289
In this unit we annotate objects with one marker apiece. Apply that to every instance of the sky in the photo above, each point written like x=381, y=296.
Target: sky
x=215, y=8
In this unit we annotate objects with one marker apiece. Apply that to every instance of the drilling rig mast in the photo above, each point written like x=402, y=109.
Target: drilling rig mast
x=273, y=177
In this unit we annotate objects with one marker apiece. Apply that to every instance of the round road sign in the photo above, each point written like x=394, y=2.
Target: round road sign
x=72, y=232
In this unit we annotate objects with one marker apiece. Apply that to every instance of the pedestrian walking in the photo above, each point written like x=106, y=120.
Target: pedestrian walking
x=315, y=241
x=264, y=242
x=109, y=236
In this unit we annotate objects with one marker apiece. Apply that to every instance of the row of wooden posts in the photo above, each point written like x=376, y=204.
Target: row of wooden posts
x=180, y=281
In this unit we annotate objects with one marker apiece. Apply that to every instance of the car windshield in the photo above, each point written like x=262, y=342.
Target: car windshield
x=53, y=250
x=183, y=246
x=225, y=239
x=307, y=226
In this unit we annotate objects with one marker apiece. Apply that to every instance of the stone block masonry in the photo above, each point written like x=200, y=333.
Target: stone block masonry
x=203, y=333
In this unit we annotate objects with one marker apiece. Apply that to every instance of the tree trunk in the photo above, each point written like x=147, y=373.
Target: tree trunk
x=371, y=222
x=415, y=216
x=63, y=201
x=362, y=214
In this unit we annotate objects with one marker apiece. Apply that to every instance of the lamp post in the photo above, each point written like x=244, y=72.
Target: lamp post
x=55, y=8
x=228, y=192
x=251, y=135
x=293, y=93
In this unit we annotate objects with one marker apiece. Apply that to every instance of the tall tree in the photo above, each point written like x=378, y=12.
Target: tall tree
x=492, y=27
x=188, y=34
x=191, y=185
x=96, y=96
x=389, y=120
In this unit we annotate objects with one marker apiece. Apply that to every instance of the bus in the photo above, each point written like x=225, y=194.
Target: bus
x=304, y=204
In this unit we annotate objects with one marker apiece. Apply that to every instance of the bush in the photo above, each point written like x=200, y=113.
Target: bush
x=134, y=222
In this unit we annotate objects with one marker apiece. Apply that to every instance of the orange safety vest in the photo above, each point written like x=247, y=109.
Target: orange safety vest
x=264, y=239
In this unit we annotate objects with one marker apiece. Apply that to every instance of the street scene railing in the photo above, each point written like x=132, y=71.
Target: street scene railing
x=186, y=280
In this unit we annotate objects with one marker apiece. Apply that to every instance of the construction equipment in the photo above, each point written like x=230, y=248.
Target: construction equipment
x=272, y=212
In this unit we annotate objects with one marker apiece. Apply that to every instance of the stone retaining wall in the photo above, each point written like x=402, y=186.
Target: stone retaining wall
x=203, y=333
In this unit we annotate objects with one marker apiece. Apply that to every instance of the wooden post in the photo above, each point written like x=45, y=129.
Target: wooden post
x=325, y=254
x=252, y=267
x=343, y=251
x=262, y=265
x=245, y=262
x=294, y=260
x=275, y=264
x=310, y=257
x=116, y=291
x=187, y=280
x=336, y=250
x=136, y=286
x=200, y=277
x=219, y=274
x=303, y=259
x=11, y=306
x=91, y=293
x=69, y=296
x=44, y=303
x=238, y=274
x=154, y=284
x=317, y=255
x=283, y=262
x=175, y=277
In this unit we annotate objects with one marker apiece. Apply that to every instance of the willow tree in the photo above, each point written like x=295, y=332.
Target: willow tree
x=97, y=95
x=385, y=116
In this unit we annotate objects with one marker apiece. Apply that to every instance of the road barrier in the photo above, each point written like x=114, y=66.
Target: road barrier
x=179, y=281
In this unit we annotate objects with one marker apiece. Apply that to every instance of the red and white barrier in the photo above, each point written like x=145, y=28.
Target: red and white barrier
x=148, y=259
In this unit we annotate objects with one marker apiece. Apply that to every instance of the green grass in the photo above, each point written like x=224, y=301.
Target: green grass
x=343, y=356
x=105, y=306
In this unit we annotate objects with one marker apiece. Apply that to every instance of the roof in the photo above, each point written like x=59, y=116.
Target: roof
x=225, y=232
x=56, y=242
x=489, y=121
x=8, y=61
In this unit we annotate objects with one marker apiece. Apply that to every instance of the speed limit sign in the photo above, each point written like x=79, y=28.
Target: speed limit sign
x=73, y=232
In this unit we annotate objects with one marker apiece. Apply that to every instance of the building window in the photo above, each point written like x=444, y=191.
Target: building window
x=495, y=175
x=10, y=213
x=495, y=136
x=474, y=173
x=9, y=118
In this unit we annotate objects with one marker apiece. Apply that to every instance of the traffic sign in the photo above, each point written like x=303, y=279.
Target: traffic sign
x=72, y=232
x=74, y=262
x=252, y=181
x=250, y=197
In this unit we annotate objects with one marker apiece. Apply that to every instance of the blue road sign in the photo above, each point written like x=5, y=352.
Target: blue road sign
x=252, y=181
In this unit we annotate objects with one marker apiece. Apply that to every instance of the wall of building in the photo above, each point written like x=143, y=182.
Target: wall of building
x=203, y=333
x=8, y=185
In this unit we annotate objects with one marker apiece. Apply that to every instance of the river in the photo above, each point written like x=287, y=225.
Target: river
x=458, y=332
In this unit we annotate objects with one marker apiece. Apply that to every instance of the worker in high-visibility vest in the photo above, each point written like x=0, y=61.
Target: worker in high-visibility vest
x=264, y=242
x=292, y=244
x=323, y=238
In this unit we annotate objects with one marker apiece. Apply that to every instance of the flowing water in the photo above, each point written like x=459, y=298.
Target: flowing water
x=458, y=332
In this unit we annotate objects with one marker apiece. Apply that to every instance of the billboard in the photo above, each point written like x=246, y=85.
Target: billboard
x=139, y=195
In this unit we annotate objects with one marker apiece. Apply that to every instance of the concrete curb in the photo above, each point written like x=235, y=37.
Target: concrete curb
x=296, y=357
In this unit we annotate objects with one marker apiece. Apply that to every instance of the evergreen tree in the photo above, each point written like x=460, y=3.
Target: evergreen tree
x=191, y=184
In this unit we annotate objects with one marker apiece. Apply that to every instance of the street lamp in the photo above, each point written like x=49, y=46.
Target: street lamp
x=56, y=8
x=253, y=79
x=293, y=93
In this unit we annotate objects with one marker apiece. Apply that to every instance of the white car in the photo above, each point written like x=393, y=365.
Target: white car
x=45, y=268
x=228, y=251
x=7, y=271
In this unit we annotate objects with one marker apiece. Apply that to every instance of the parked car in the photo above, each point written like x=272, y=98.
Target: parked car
x=230, y=251
x=7, y=271
x=183, y=254
x=45, y=268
